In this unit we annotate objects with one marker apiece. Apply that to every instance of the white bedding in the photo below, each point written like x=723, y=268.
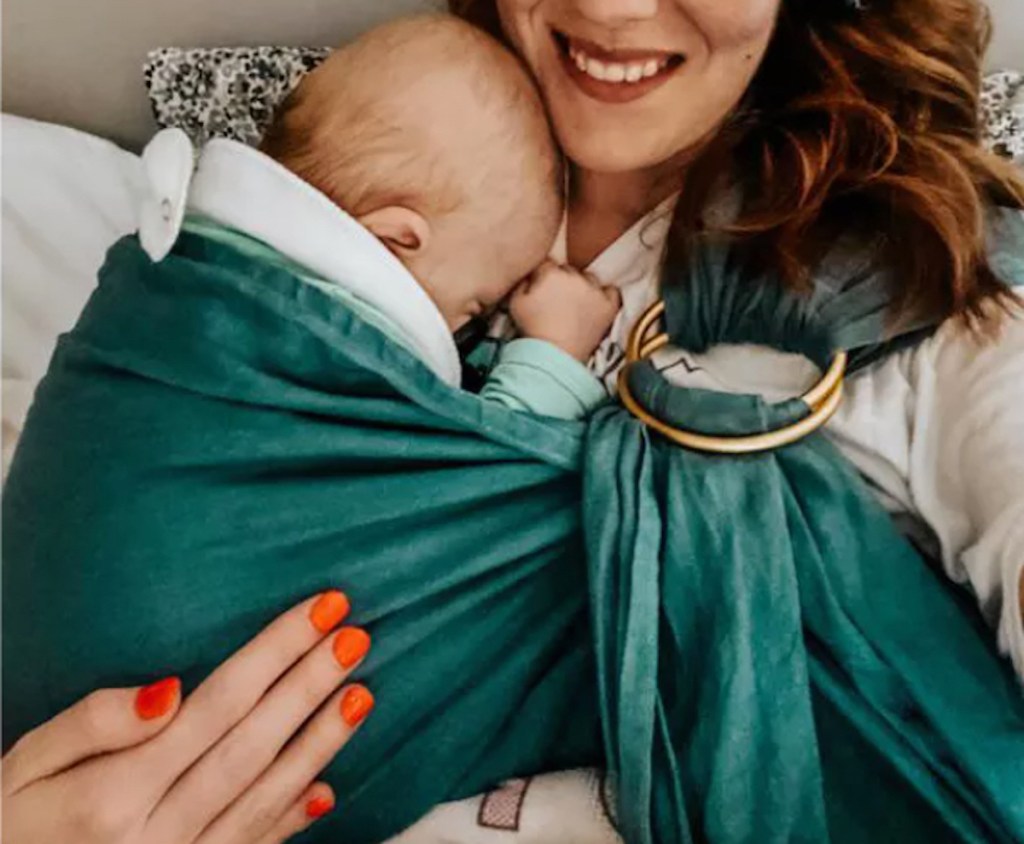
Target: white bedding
x=67, y=196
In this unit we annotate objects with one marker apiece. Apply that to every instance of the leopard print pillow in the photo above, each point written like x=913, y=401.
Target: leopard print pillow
x=232, y=92
x=225, y=92
x=1002, y=108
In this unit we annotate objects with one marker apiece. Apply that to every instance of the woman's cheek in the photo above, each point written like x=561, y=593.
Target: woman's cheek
x=515, y=17
x=732, y=24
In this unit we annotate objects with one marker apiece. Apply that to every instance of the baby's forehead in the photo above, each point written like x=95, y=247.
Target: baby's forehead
x=513, y=229
x=441, y=108
x=427, y=52
x=468, y=124
x=451, y=94
x=432, y=71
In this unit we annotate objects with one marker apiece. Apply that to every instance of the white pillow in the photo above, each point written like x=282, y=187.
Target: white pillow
x=67, y=197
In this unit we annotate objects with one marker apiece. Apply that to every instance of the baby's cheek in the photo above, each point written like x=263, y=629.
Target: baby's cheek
x=732, y=24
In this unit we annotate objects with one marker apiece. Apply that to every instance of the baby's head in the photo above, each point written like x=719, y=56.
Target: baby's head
x=433, y=136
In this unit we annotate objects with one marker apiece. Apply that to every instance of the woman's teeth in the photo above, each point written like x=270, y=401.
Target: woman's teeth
x=617, y=72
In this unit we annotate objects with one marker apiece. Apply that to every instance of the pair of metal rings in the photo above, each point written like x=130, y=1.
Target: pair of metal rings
x=822, y=399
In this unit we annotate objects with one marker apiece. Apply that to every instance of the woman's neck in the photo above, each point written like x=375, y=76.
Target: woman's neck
x=603, y=206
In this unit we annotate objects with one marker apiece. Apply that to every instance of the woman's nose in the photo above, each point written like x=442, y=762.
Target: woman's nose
x=616, y=13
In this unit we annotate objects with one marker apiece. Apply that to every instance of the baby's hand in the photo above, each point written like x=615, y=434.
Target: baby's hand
x=564, y=307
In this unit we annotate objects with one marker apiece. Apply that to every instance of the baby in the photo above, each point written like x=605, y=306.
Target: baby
x=433, y=138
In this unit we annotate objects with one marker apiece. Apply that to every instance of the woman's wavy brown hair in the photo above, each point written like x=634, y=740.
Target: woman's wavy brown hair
x=859, y=122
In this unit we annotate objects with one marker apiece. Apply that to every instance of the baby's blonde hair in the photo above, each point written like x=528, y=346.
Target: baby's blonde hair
x=370, y=129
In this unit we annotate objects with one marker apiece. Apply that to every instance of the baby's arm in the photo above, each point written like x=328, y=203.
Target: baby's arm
x=563, y=316
x=967, y=466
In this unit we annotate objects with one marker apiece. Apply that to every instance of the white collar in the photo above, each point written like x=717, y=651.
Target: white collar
x=239, y=187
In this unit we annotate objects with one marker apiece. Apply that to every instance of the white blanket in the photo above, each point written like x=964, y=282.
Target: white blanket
x=67, y=197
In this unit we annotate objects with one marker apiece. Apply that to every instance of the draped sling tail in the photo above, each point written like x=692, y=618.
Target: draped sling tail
x=746, y=643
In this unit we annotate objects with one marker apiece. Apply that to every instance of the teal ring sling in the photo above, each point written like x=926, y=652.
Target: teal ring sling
x=746, y=644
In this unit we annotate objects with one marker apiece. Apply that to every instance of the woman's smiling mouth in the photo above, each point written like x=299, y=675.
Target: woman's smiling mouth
x=614, y=76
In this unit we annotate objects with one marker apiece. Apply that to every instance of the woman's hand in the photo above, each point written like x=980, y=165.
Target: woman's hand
x=235, y=763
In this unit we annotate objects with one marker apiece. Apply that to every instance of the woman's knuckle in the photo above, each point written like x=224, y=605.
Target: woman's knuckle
x=310, y=695
x=100, y=815
x=226, y=701
x=233, y=710
x=288, y=643
x=238, y=756
x=261, y=819
x=18, y=749
x=94, y=715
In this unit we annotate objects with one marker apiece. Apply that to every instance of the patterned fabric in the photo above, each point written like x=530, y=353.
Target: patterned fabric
x=225, y=92
x=556, y=808
x=501, y=809
x=1002, y=107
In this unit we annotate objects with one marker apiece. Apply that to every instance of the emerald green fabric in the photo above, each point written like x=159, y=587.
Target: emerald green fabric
x=747, y=644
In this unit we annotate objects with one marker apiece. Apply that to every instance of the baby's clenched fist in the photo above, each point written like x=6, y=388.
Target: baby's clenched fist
x=564, y=307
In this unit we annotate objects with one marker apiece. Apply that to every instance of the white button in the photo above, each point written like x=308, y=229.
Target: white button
x=168, y=163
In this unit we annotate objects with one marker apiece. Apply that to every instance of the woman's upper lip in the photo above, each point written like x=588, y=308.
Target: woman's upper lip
x=596, y=51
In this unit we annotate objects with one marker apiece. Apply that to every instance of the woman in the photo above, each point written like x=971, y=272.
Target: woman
x=829, y=119
x=821, y=114
x=840, y=117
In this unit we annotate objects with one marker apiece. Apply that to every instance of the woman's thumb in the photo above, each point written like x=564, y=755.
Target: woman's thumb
x=106, y=720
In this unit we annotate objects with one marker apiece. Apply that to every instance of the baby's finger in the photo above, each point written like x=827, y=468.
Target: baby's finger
x=521, y=299
x=234, y=689
x=520, y=290
x=106, y=720
x=613, y=295
x=526, y=285
x=299, y=764
x=315, y=803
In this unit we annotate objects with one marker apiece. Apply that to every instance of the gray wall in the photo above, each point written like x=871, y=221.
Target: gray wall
x=1008, y=47
x=79, y=61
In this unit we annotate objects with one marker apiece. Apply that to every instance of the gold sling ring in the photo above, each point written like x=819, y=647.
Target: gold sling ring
x=822, y=400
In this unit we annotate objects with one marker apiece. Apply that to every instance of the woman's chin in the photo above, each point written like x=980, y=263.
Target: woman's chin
x=589, y=148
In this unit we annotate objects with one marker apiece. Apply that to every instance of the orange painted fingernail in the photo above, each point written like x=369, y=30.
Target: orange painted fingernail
x=328, y=611
x=350, y=646
x=158, y=699
x=319, y=806
x=356, y=704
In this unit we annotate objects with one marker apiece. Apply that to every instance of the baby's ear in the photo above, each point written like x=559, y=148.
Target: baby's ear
x=402, y=230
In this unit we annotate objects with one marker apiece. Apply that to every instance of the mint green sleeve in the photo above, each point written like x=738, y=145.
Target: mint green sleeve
x=535, y=376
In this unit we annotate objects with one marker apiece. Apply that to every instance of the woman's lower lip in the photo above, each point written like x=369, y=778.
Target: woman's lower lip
x=613, y=92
